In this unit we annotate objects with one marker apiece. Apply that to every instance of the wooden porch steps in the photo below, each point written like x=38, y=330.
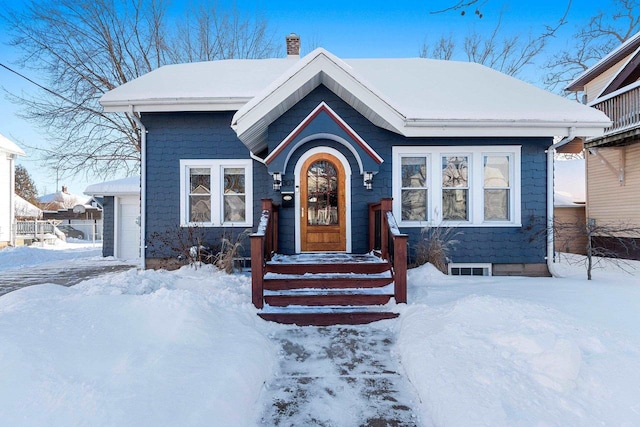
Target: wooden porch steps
x=327, y=289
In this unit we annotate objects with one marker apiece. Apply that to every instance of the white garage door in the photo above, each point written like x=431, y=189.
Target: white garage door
x=128, y=244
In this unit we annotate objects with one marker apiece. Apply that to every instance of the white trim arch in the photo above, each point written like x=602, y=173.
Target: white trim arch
x=330, y=137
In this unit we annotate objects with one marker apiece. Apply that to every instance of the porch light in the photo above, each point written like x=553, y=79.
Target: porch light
x=368, y=180
x=277, y=181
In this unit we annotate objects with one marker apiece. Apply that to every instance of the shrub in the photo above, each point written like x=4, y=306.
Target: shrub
x=230, y=250
x=435, y=246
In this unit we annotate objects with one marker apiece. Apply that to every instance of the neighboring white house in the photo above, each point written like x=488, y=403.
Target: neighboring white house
x=25, y=210
x=61, y=200
x=121, y=213
x=9, y=151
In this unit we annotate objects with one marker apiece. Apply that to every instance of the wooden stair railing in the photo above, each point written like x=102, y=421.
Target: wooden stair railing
x=385, y=238
x=264, y=243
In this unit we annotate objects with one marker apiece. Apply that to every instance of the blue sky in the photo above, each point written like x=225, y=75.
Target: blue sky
x=348, y=29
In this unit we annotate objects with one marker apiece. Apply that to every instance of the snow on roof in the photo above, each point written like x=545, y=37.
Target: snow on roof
x=24, y=209
x=130, y=185
x=64, y=198
x=409, y=96
x=223, y=85
x=569, y=182
x=10, y=147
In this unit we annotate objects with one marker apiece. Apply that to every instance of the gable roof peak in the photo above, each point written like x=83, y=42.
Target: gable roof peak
x=631, y=45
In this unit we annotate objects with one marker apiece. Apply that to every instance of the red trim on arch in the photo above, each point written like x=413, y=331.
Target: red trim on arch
x=320, y=108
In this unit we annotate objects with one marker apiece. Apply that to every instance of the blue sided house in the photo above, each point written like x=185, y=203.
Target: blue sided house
x=340, y=167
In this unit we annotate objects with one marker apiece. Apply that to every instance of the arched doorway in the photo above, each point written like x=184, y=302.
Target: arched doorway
x=323, y=210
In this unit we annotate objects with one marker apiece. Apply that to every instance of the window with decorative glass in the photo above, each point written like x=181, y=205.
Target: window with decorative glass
x=215, y=192
x=455, y=188
x=462, y=186
x=234, y=195
x=414, y=194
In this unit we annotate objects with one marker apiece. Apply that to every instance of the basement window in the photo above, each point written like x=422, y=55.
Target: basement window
x=469, y=269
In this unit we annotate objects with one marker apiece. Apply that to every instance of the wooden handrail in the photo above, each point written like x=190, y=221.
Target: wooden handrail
x=264, y=243
x=385, y=237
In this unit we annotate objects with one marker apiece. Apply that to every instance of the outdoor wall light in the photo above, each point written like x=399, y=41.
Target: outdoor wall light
x=368, y=180
x=277, y=181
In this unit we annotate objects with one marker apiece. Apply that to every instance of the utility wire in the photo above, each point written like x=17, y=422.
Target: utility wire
x=36, y=83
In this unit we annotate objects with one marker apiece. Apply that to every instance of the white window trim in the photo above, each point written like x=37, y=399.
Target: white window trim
x=217, y=187
x=476, y=184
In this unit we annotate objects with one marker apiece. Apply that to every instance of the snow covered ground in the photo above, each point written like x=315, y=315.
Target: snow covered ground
x=21, y=257
x=186, y=348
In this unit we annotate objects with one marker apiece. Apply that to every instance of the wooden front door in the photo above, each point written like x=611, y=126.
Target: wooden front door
x=322, y=205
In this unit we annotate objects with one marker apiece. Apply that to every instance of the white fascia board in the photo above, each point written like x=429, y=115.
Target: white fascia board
x=326, y=66
x=620, y=91
x=114, y=193
x=600, y=66
x=175, y=104
x=427, y=128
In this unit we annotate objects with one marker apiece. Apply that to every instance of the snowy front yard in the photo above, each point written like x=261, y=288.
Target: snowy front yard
x=186, y=348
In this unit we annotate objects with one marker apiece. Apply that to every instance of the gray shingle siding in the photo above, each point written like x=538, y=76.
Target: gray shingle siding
x=175, y=136
x=524, y=244
x=108, y=212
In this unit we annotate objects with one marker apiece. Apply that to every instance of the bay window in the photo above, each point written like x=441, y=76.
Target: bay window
x=456, y=185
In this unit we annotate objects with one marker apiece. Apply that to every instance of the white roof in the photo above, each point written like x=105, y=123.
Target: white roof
x=569, y=182
x=10, y=147
x=223, y=85
x=64, y=198
x=117, y=187
x=409, y=96
x=25, y=209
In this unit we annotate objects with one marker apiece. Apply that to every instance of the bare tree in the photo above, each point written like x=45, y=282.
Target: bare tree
x=604, y=242
x=88, y=47
x=593, y=40
x=444, y=48
x=208, y=35
x=509, y=54
x=463, y=5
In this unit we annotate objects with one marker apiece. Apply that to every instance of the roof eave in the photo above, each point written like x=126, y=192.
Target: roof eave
x=594, y=71
x=430, y=127
x=175, y=104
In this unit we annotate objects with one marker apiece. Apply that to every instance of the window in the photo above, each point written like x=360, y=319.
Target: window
x=497, y=190
x=458, y=186
x=456, y=269
x=216, y=193
x=455, y=188
x=414, y=194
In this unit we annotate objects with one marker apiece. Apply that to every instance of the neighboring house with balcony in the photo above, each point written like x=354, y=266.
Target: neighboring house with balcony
x=613, y=159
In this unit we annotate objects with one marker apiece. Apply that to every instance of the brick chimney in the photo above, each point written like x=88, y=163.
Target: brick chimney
x=64, y=189
x=293, y=45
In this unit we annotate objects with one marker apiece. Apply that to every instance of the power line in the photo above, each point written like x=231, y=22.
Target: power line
x=36, y=83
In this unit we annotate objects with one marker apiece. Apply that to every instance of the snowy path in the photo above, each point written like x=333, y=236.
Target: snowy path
x=338, y=376
x=65, y=272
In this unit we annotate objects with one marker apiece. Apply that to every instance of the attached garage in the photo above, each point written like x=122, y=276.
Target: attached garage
x=121, y=213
